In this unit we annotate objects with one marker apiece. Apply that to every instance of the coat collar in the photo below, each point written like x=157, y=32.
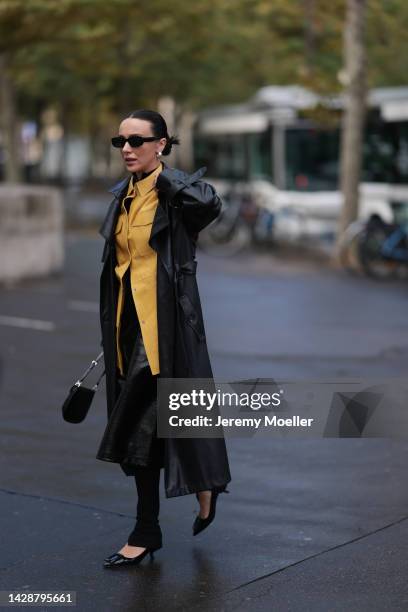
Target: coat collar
x=118, y=187
x=160, y=221
x=119, y=190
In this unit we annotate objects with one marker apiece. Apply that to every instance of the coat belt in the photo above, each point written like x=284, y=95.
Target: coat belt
x=189, y=267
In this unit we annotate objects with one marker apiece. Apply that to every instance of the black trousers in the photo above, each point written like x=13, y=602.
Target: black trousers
x=147, y=530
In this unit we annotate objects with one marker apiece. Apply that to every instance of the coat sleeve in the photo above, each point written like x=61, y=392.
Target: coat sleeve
x=198, y=200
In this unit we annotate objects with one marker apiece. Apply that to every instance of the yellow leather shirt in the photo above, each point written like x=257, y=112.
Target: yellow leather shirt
x=132, y=233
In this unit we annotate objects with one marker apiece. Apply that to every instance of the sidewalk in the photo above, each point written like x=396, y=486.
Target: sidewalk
x=309, y=525
x=259, y=554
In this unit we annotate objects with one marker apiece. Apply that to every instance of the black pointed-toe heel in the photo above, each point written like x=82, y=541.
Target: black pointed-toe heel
x=117, y=559
x=200, y=523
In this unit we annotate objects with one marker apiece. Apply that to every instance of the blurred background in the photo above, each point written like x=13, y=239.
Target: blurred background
x=289, y=104
x=299, y=111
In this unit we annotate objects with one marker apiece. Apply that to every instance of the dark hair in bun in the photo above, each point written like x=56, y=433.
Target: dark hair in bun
x=159, y=127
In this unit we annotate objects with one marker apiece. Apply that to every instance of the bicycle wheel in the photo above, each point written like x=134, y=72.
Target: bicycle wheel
x=372, y=260
x=228, y=234
x=225, y=243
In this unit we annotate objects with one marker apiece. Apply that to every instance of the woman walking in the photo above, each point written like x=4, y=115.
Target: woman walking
x=152, y=326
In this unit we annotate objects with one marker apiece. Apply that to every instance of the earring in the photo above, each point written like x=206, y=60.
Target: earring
x=158, y=154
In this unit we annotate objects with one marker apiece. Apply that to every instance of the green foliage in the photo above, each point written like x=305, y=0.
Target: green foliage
x=387, y=27
x=95, y=56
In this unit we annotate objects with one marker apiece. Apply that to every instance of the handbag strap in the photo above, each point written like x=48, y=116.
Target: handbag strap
x=98, y=381
x=94, y=363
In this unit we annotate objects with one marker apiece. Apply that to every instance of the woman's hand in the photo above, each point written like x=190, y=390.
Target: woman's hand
x=198, y=200
x=168, y=182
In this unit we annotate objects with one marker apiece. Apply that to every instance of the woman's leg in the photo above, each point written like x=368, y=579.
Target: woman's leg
x=147, y=532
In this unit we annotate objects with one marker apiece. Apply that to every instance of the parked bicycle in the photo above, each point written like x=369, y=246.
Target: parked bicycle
x=240, y=225
x=377, y=248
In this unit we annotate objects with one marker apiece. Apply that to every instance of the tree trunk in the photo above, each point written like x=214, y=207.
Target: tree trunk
x=354, y=78
x=9, y=125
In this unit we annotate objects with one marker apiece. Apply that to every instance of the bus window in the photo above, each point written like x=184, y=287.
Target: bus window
x=260, y=155
x=312, y=156
x=385, y=150
x=224, y=155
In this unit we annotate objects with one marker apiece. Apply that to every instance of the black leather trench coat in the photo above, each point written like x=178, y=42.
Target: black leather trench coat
x=186, y=205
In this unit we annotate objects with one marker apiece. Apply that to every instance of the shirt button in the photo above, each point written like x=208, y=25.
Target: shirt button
x=142, y=321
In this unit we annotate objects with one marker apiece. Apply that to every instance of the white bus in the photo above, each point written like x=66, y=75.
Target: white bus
x=282, y=147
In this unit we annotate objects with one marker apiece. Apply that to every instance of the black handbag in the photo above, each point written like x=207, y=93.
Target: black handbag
x=79, y=399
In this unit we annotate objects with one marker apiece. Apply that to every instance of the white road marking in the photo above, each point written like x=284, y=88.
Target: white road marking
x=27, y=323
x=84, y=306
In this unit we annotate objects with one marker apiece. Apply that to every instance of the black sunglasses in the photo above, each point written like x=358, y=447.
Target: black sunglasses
x=134, y=140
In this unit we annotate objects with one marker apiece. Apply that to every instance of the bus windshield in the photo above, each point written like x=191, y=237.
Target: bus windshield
x=309, y=155
x=313, y=155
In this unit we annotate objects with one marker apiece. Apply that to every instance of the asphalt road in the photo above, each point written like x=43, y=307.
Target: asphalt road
x=309, y=524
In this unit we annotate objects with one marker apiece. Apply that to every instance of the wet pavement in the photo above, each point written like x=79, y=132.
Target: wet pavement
x=308, y=524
